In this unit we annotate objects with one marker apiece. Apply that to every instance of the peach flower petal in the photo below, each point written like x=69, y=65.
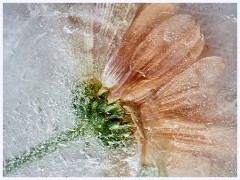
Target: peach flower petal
x=156, y=61
x=147, y=18
x=191, y=145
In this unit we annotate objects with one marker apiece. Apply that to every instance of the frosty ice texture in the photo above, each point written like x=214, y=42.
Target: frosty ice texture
x=40, y=62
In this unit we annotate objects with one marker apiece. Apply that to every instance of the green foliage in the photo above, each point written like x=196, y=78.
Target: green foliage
x=107, y=121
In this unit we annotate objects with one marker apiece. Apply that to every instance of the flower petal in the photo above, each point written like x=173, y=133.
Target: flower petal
x=110, y=22
x=147, y=18
x=183, y=148
x=159, y=58
x=180, y=141
x=193, y=93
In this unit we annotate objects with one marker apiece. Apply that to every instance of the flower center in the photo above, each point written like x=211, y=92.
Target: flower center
x=108, y=121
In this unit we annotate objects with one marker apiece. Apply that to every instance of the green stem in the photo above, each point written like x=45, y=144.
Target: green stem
x=95, y=116
x=41, y=149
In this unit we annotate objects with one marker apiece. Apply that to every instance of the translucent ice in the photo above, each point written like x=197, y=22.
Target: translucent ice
x=48, y=46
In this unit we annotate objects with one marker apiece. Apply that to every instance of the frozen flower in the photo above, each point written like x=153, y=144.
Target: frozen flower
x=158, y=87
x=161, y=71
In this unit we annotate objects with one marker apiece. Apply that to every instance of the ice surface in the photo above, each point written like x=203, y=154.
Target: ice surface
x=44, y=51
x=38, y=75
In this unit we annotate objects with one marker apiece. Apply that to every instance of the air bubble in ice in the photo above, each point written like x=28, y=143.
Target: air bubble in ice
x=45, y=92
x=24, y=76
x=39, y=123
x=46, y=113
x=69, y=29
x=15, y=110
x=55, y=127
x=36, y=101
x=29, y=116
x=175, y=126
x=149, y=129
x=51, y=102
x=37, y=110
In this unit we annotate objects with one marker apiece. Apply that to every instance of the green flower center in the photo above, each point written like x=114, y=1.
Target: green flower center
x=108, y=121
